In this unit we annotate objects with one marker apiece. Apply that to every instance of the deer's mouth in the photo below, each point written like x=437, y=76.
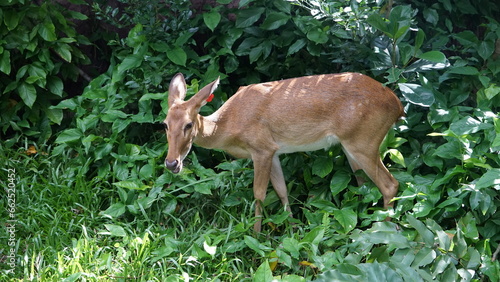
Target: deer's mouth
x=174, y=166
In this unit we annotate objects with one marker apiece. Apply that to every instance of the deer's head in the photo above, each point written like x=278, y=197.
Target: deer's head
x=182, y=123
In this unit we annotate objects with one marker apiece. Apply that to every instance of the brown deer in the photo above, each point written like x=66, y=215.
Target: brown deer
x=262, y=121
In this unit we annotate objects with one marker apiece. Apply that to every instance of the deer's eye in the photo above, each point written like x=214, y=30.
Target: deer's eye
x=165, y=126
x=188, y=126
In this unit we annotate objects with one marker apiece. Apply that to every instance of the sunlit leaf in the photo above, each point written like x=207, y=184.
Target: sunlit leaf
x=209, y=249
x=490, y=178
x=417, y=94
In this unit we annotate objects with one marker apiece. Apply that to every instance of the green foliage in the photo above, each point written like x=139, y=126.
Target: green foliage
x=124, y=216
x=39, y=50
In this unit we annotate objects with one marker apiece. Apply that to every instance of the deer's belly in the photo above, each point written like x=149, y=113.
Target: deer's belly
x=323, y=143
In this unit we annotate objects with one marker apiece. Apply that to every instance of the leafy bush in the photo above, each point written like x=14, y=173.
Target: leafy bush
x=445, y=154
x=39, y=50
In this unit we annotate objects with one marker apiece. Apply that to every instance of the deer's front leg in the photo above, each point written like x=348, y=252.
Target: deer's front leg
x=262, y=162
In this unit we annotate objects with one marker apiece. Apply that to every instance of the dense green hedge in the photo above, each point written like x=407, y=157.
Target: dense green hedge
x=440, y=58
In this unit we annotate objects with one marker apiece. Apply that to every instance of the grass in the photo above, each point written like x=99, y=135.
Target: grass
x=72, y=228
x=61, y=233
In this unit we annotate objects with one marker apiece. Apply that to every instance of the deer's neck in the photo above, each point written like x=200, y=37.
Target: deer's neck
x=208, y=136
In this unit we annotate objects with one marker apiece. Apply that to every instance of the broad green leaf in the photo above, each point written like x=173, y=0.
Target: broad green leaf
x=296, y=46
x=76, y=15
x=431, y=16
x=66, y=104
x=486, y=49
x=444, y=240
x=393, y=239
x=419, y=39
x=466, y=70
x=322, y=166
x=347, y=218
x=315, y=236
x=396, y=156
x=379, y=272
x=339, y=182
x=244, y=3
x=424, y=257
x=401, y=32
x=292, y=246
x=460, y=245
x=178, y=56
x=27, y=92
x=120, y=124
x=130, y=62
x=274, y=20
x=115, y=210
x=255, y=245
x=146, y=171
x=394, y=74
x=47, y=31
x=467, y=125
x=55, y=115
x=492, y=91
x=204, y=188
x=379, y=23
x=231, y=64
x=212, y=19
x=425, y=233
x=5, y=62
x=153, y=96
x=350, y=269
x=132, y=185
x=490, y=178
x=361, y=272
x=248, y=17
x=263, y=273
x=317, y=35
x=55, y=85
x=64, y=51
x=403, y=256
x=433, y=56
x=417, y=94
x=474, y=258
x=255, y=53
x=468, y=226
x=247, y=45
x=115, y=230
x=11, y=18
x=441, y=264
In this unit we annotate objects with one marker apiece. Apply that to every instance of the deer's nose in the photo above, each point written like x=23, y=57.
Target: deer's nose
x=171, y=164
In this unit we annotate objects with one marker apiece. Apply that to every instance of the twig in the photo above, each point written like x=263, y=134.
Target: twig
x=495, y=254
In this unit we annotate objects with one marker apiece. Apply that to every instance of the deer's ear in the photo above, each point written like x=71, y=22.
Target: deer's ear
x=200, y=99
x=176, y=90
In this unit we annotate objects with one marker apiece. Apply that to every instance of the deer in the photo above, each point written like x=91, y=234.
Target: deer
x=262, y=121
